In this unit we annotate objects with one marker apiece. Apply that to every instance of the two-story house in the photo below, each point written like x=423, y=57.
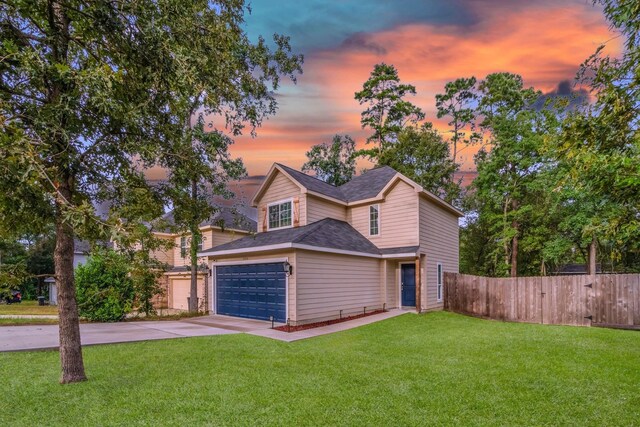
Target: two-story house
x=321, y=252
x=225, y=226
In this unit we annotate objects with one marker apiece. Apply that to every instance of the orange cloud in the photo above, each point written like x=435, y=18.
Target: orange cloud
x=544, y=45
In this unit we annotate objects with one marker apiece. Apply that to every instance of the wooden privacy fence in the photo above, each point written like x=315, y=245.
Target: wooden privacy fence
x=605, y=300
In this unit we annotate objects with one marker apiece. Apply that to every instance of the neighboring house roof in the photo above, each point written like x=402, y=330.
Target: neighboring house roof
x=328, y=233
x=225, y=218
x=576, y=269
x=366, y=186
x=82, y=247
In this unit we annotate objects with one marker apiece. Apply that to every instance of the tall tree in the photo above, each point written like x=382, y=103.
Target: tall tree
x=601, y=142
x=422, y=155
x=201, y=167
x=91, y=93
x=458, y=103
x=388, y=111
x=334, y=163
x=506, y=172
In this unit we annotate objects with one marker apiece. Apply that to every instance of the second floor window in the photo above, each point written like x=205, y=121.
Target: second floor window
x=184, y=248
x=280, y=215
x=374, y=220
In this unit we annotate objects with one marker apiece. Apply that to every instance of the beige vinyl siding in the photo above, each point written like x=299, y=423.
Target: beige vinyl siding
x=328, y=283
x=391, y=279
x=291, y=280
x=439, y=241
x=180, y=290
x=216, y=237
x=179, y=260
x=281, y=188
x=164, y=255
x=319, y=209
x=398, y=218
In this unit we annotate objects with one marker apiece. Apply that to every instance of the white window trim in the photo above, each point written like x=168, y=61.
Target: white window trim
x=184, y=249
x=439, y=282
x=279, y=202
x=369, y=220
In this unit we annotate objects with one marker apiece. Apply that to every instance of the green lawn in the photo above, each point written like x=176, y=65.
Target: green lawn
x=23, y=322
x=438, y=368
x=28, y=307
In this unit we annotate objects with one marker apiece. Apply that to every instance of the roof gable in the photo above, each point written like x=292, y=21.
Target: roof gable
x=371, y=184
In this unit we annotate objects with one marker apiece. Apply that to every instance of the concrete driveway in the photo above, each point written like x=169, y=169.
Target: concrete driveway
x=15, y=338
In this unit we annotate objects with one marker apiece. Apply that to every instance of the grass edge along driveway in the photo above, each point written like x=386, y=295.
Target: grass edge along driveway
x=411, y=370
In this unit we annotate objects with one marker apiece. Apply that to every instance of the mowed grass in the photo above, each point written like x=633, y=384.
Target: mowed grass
x=23, y=322
x=28, y=307
x=438, y=368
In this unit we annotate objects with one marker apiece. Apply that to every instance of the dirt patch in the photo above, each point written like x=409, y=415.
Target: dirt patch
x=289, y=328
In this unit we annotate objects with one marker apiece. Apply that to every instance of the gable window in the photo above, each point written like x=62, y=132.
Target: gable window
x=183, y=247
x=280, y=215
x=439, y=282
x=374, y=220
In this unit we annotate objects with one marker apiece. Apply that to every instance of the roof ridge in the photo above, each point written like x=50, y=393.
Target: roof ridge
x=310, y=176
x=312, y=227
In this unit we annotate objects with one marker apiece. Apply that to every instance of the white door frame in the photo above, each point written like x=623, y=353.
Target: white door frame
x=401, y=263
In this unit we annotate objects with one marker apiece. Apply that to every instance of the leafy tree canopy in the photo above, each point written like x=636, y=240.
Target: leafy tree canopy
x=388, y=111
x=333, y=163
x=422, y=155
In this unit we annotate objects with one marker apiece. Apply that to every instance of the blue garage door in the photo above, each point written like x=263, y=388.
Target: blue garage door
x=255, y=291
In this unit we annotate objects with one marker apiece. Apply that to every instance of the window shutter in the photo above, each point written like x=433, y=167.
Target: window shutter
x=296, y=212
x=264, y=218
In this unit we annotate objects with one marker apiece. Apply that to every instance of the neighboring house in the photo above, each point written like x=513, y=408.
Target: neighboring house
x=225, y=226
x=80, y=255
x=321, y=252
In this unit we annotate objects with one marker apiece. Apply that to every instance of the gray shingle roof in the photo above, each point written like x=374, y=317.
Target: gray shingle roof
x=225, y=217
x=367, y=185
x=403, y=250
x=361, y=187
x=327, y=233
x=314, y=184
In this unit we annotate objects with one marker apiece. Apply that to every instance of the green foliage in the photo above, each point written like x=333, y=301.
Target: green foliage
x=422, y=155
x=600, y=143
x=387, y=112
x=13, y=266
x=105, y=290
x=458, y=103
x=333, y=163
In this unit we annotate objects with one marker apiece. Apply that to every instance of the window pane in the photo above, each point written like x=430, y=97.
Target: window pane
x=285, y=214
x=373, y=220
x=274, y=216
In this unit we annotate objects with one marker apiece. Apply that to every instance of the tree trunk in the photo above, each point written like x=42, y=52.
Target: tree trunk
x=592, y=257
x=514, y=242
x=193, y=252
x=69, y=325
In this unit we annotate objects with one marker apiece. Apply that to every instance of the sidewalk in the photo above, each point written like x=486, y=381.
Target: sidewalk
x=324, y=330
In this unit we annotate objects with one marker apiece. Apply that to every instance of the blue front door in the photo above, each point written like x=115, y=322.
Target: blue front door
x=408, y=284
x=254, y=291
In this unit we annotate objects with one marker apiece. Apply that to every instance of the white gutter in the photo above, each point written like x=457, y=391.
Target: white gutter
x=290, y=245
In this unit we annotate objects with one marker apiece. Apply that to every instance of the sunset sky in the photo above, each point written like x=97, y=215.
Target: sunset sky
x=429, y=42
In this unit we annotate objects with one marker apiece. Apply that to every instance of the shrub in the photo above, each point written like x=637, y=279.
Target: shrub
x=105, y=288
